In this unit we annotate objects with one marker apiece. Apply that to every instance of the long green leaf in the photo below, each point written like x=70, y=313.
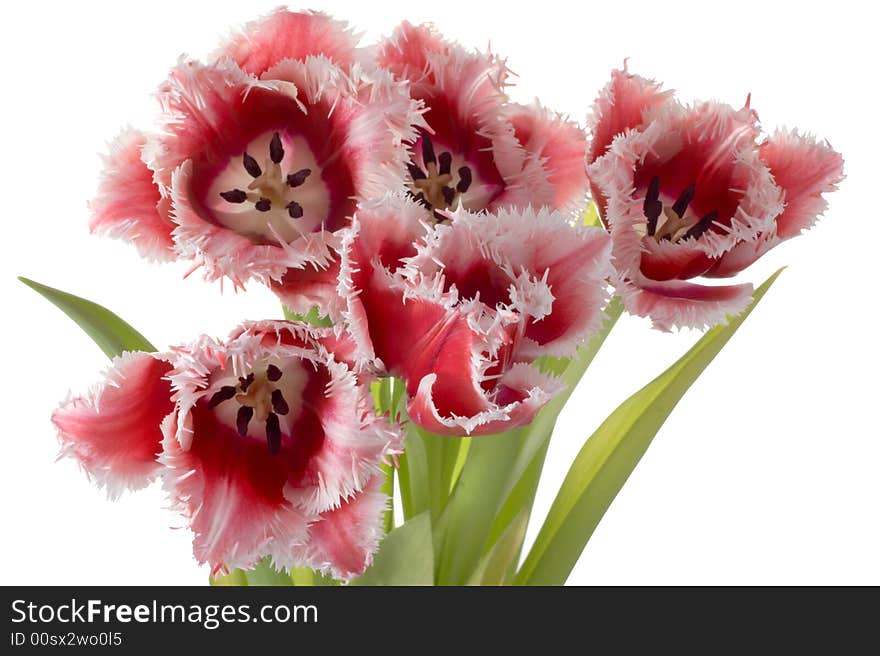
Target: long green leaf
x=499, y=562
x=405, y=557
x=526, y=471
x=478, y=494
x=610, y=455
x=109, y=332
x=412, y=474
x=499, y=477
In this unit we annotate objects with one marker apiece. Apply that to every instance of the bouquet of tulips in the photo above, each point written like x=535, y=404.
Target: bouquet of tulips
x=448, y=263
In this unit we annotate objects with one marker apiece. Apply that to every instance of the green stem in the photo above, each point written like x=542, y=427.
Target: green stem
x=388, y=490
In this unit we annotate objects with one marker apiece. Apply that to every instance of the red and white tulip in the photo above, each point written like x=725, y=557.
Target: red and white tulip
x=262, y=442
x=692, y=191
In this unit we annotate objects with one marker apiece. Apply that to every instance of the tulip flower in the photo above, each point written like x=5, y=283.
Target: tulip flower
x=267, y=444
x=694, y=191
x=261, y=156
x=461, y=310
x=478, y=150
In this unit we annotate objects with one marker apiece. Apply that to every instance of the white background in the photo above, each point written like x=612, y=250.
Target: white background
x=766, y=473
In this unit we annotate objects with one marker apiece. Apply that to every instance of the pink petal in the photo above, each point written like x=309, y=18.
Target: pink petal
x=711, y=146
x=451, y=354
x=352, y=124
x=201, y=115
x=289, y=35
x=231, y=492
x=242, y=497
x=621, y=106
x=463, y=93
x=114, y=431
x=366, y=117
x=741, y=256
x=127, y=205
x=453, y=359
x=532, y=263
x=805, y=169
x=224, y=252
x=520, y=393
x=408, y=53
x=558, y=144
x=382, y=234
x=303, y=288
x=330, y=440
x=681, y=304
x=342, y=540
x=666, y=260
x=337, y=343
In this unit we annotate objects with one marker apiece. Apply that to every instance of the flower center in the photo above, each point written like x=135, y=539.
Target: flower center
x=277, y=200
x=433, y=184
x=674, y=222
x=260, y=401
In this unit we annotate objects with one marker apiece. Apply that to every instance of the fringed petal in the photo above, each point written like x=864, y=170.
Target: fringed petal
x=309, y=286
x=463, y=94
x=681, y=148
x=621, y=106
x=270, y=430
x=383, y=233
x=201, y=115
x=343, y=540
x=519, y=394
x=741, y=256
x=226, y=253
x=676, y=304
x=687, y=192
x=230, y=490
x=805, y=169
x=284, y=34
x=533, y=264
x=348, y=126
x=559, y=145
x=128, y=204
x=114, y=430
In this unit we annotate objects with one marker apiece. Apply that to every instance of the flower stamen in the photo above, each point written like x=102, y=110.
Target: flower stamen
x=298, y=178
x=270, y=187
x=243, y=418
x=234, y=196
x=679, y=222
x=432, y=186
x=259, y=398
x=251, y=166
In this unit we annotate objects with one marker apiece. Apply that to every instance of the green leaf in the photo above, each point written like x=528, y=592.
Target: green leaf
x=263, y=573
x=413, y=475
x=611, y=454
x=383, y=402
x=590, y=216
x=388, y=490
x=501, y=473
x=108, y=331
x=405, y=557
x=478, y=494
x=526, y=470
x=498, y=564
x=313, y=317
x=444, y=462
x=307, y=577
x=235, y=578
